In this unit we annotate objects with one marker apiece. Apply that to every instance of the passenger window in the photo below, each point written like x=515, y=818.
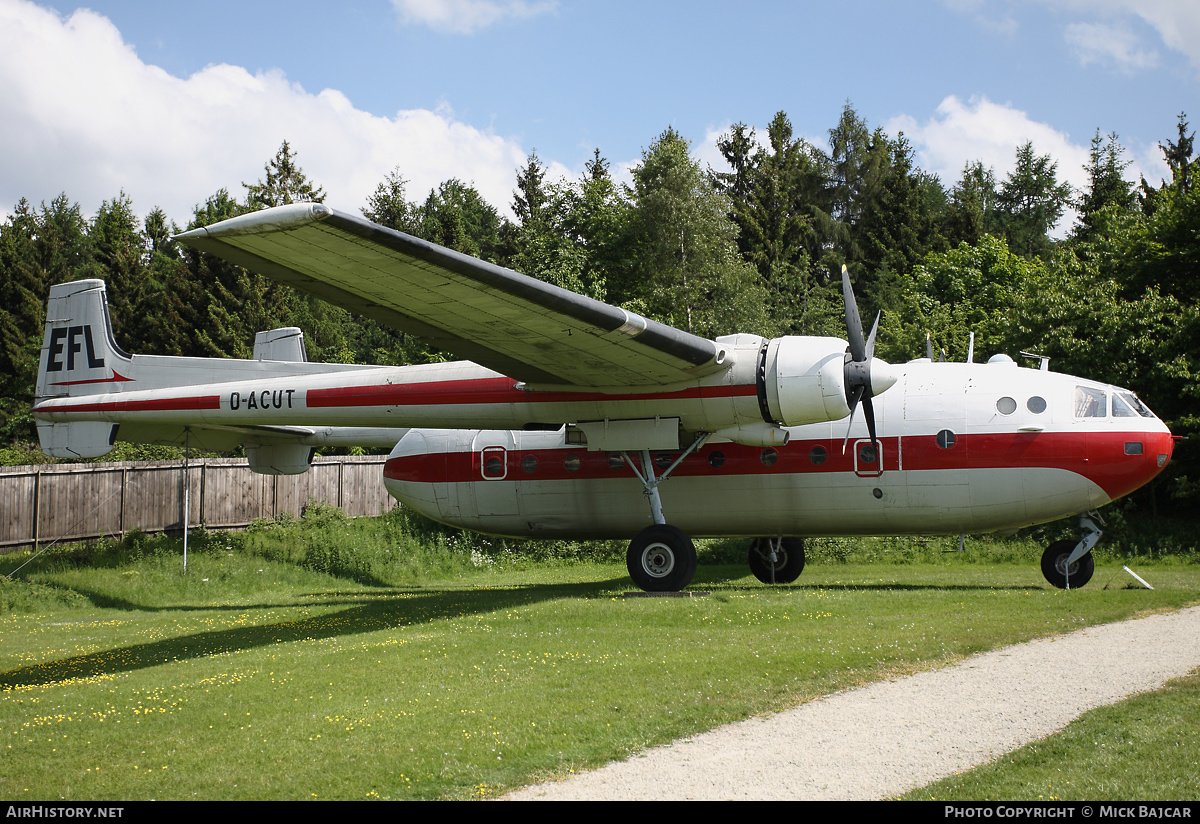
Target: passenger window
x=1090, y=402
x=1006, y=406
x=1036, y=404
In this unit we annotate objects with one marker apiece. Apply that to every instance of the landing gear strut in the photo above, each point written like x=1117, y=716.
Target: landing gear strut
x=777, y=560
x=661, y=558
x=1069, y=564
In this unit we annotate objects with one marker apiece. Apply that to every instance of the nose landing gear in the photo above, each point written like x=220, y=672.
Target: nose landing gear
x=1069, y=564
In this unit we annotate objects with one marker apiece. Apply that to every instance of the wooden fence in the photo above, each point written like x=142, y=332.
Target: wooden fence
x=40, y=504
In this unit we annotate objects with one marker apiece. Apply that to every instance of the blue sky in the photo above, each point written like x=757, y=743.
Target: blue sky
x=171, y=101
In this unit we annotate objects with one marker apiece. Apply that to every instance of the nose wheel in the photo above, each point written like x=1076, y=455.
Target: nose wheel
x=1062, y=572
x=1069, y=564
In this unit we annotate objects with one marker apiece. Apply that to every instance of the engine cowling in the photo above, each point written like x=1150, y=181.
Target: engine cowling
x=804, y=379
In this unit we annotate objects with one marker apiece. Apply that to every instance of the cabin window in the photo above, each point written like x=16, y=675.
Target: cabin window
x=768, y=457
x=716, y=459
x=1090, y=402
x=945, y=439
x=1036, y=404
x=817, y=455
x=1006, y=406
x=1133, y=447
x=572, y=463
x=529, y=464
x=616, y=461
x=866, y=454
x=663, y=460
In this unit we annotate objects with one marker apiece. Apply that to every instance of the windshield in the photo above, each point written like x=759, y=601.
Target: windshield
x=1128, y=405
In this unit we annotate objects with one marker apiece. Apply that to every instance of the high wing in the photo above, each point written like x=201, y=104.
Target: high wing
x=503, y=320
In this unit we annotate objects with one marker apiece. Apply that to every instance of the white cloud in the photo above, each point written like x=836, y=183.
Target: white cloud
x=1108, y=45
x=1177, y=22
x=468, y=16
x=961, y=133
x=84, y=115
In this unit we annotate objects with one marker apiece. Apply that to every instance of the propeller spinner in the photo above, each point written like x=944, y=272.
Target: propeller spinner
x=866, y=375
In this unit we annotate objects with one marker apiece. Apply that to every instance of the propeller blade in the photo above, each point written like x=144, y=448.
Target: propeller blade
x=871, y=338
x=869, y=411
x=928, y=347
x=854, y=328
x=858, y=393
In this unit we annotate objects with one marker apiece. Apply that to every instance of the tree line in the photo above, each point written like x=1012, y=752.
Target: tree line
x=754, y=247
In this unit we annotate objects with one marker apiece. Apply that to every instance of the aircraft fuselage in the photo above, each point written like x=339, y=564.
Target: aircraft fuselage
x=964, y=448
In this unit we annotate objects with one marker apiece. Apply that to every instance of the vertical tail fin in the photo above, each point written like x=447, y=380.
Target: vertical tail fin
x=79, y=357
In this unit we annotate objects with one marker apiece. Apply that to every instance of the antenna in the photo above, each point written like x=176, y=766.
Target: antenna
x=1045, y=359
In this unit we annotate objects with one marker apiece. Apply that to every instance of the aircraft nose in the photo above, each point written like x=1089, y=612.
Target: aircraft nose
x=1121, y=463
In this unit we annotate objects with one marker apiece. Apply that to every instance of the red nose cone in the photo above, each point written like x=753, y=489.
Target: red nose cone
x=1122, y=462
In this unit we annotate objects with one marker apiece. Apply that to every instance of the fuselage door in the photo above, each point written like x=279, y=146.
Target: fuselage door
x=495, y=486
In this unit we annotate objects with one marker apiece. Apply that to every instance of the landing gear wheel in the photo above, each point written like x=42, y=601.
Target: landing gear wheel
x=1054, y=565
x=789, y=561
x=661, y=558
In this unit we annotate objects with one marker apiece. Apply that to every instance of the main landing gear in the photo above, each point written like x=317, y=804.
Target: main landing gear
x=1069, y=564
x=661, y=558
x=777, y=560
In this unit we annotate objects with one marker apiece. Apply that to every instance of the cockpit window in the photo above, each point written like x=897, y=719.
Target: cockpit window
x=1121, y=409
x=1090, y=402
x=1133, y=402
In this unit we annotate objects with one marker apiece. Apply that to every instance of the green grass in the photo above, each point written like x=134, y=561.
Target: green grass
x=388, y=658
x=1144, y=748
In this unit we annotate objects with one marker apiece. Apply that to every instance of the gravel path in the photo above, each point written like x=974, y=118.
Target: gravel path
x=887, y=738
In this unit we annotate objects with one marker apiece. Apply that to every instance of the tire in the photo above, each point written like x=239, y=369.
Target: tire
x=661, y=558
x=1054, y=565
x=789, y=563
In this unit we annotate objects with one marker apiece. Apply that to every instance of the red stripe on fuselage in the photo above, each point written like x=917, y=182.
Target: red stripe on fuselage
x=492, y=390
x=1098, y=456
x=164, y=405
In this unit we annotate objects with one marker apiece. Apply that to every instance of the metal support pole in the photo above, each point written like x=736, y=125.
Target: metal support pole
x=187, y=488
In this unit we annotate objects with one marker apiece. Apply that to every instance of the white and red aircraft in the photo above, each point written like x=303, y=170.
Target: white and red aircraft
x=571, y=414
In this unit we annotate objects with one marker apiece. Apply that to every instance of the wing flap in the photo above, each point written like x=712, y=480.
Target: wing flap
x=498, y=318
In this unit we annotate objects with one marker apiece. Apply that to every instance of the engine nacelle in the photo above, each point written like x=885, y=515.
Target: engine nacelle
x=804, y=379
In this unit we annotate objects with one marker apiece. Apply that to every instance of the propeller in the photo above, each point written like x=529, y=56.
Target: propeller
x=866, y=377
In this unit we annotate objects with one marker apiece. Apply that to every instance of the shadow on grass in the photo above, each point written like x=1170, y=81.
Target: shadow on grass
x=382, y=611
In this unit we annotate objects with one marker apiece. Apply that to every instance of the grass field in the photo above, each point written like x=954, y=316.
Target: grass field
x=390, y=659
